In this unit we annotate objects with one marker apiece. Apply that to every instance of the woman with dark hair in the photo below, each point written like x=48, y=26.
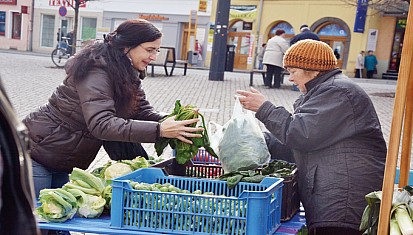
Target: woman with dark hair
x=101, y=99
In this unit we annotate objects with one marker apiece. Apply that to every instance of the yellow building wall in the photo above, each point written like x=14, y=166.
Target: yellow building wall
x=387, y=26
x=308, y=12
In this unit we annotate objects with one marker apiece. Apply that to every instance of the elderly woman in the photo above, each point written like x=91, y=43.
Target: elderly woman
x=335, y=136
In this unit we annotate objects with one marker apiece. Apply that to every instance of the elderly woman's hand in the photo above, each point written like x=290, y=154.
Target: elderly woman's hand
x=170, y=128
x=251, y=100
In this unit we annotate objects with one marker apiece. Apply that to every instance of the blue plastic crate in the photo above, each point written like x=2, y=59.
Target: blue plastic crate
x=248, y=208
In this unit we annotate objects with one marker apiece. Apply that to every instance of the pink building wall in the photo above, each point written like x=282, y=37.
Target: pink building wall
x=10, y=7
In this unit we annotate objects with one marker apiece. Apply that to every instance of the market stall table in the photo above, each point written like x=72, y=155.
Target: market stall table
x=102, y=226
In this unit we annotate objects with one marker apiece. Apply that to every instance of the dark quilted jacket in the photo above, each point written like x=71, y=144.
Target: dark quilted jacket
x=69, y=130
x=338, y=146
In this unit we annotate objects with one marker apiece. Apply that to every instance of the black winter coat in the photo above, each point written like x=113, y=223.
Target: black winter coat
x=338, y=146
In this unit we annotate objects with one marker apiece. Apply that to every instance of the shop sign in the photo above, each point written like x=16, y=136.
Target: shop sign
x=401, y=23
x=202, y=6
x=152, y=17
x=24, y=9
x=372, y=39
x=8, y=2
x=66, y=3
x=246, y=25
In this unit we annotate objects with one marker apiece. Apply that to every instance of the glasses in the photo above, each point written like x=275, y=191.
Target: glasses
x=151, y=51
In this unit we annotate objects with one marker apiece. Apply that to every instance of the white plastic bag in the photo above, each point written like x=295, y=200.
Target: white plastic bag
x=240, y=143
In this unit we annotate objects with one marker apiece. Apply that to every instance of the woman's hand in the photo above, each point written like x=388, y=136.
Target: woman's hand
x=251, y=100
x=170, y=128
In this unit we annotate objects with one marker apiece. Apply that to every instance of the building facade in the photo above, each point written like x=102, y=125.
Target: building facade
x=49, y=18
x=337, y=23
x=181, y=23
x=15, y=24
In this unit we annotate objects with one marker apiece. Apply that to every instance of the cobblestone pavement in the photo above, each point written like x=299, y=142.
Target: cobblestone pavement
x=30, y=79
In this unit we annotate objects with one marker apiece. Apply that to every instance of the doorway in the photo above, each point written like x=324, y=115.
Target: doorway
x=65, y=26
x=337, y=44
x=184, y=40
x=242, y=42
x=335, y=34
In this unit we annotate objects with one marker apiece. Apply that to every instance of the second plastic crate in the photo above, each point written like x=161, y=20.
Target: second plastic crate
x=246, y=209
x=205, y=166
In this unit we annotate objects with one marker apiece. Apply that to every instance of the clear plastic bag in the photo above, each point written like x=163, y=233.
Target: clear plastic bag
x=240, y=143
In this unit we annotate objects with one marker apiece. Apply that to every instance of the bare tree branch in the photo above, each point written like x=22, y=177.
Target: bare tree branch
x=385, y=6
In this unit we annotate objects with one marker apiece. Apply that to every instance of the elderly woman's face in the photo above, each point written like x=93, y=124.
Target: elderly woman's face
x=143, y=54
x=300, y=77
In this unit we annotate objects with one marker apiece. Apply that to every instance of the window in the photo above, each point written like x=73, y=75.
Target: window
x=48, y=35
x=88, y=28
x=332, y=30
x=16, y=25
x=2, y=23
x=283, y=25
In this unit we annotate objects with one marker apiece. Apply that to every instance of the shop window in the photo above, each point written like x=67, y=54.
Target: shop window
x=289, y=31
x=332, y=30
x=2, y=23
x=88, y=28
x=283, y=25
x=16, y=25
x=47, y=33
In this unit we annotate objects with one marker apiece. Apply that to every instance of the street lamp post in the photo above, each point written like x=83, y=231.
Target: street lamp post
x=219, y=46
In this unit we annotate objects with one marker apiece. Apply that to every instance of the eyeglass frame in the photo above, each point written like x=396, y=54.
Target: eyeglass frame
x=151, y=51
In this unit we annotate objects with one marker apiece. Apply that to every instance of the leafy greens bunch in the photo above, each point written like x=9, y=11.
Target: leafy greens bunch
x=185, y=151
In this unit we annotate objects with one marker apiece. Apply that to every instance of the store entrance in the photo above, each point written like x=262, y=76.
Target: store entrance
x=338, y=44
x=241, y=41
x=397, y=47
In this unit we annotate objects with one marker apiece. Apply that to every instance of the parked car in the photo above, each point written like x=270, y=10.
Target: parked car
x=16, y=186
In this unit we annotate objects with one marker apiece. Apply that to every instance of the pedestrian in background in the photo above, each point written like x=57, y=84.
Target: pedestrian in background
x=335, y=136
x=260, y=56
x=101, y=99
x=59, y=35
x=305, y=33
x=273, y=58
x=359, y=65
x=370, y=63
x=198, y=49
x=69, y=37
x=336, y=53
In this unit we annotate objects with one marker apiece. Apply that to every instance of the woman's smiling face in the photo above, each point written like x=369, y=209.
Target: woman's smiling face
x=143, y=54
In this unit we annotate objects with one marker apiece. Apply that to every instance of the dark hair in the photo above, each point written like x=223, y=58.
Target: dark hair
x=278, y=32
x=110, y=55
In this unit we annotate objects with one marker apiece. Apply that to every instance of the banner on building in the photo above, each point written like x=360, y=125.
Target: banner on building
x=372, y=40
x=360, y=22
x=246, y=13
